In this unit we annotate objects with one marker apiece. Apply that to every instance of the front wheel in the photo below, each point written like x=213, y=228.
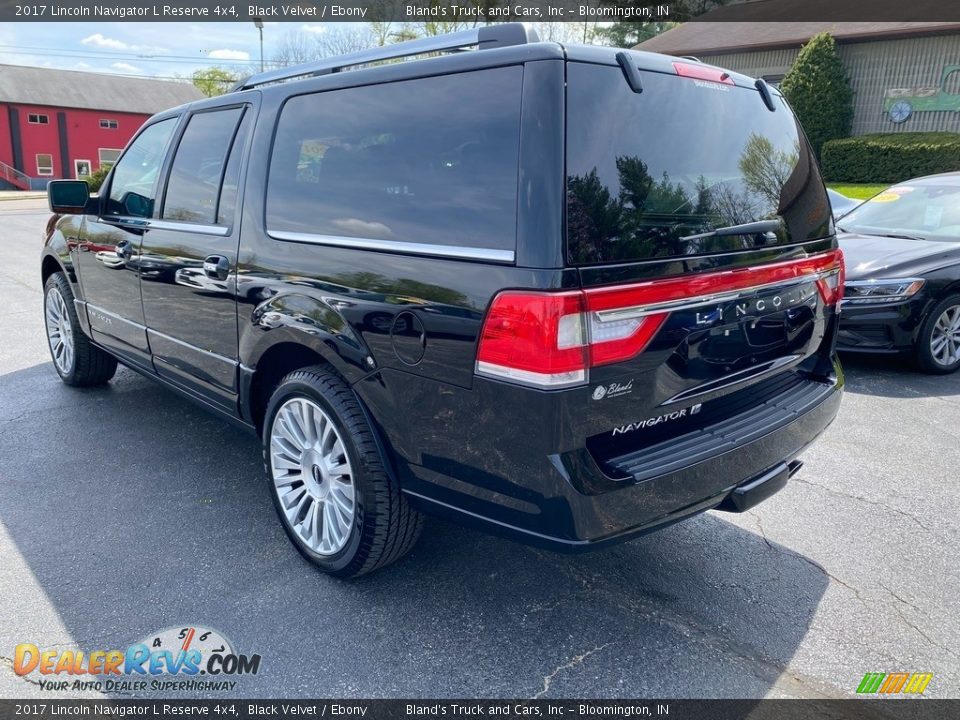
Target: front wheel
x=938, y=342
x=329, y=481
x=77, y=360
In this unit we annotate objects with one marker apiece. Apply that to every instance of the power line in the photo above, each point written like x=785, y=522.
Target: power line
x=180, y=78
x=104, y=55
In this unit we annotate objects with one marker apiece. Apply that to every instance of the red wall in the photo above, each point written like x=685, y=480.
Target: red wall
x=84, y=136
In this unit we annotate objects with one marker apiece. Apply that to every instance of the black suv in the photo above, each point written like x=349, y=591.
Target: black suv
x=566, y=294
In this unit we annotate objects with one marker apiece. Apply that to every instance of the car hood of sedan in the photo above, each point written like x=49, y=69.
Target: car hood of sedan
x=873, y=256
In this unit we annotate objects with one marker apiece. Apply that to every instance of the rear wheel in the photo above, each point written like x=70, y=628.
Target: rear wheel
x=337, y=501
x=938, y=343
x=77, y=360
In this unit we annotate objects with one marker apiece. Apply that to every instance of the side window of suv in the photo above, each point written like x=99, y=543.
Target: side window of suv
x=431, y=161
x=133, y=187
x=197, y=171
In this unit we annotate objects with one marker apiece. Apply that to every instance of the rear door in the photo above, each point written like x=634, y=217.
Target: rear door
x=701, y=230
x=189, y=257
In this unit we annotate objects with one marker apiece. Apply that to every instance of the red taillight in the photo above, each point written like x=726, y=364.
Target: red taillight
x=552, y=339
x=535, y=338
x=830, y=283
x=701, y=72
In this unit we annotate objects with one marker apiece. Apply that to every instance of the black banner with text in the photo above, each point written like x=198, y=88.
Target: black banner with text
x=915, y=709
x=482, y=11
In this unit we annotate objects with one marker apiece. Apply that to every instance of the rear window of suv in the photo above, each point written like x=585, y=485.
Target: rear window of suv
x=645, y=171
x=431, y=161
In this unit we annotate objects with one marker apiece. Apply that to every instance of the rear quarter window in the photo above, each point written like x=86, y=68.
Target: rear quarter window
x=645, y=171
x=430, y=161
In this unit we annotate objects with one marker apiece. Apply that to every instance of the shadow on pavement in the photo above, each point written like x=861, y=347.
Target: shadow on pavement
x=895, y=377
x=136, y=511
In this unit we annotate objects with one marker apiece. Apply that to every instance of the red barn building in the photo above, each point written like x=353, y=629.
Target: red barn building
x=67, y=124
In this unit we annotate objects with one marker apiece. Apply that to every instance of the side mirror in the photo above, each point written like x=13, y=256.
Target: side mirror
x=136, y=205
x=68, y=197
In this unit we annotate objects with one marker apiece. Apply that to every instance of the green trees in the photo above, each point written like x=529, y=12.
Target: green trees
x=214, y=81
x=819, y=91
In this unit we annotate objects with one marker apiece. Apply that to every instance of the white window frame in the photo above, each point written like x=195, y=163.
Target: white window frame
x=44, y=171
x=44, y=121
x=108, y=162
x=76, y=169
x=108, y=124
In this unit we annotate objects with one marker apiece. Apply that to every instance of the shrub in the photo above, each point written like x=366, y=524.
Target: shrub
x=96, y=179
x=819, y=91
x=890, y=157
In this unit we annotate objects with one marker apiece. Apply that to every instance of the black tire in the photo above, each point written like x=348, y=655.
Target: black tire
x=90, y=365
x=925, y=358
x=384, y=527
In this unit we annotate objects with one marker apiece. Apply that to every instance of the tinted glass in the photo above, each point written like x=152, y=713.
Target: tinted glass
x=194, y=183
x=684, y=157
x=231, y=176
x=135, y=175
x=432, y=160
x=927, y=209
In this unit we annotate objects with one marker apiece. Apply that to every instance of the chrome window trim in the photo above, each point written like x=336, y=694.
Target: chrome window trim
x=456, y=252
x=152, y=224
x=198, y=228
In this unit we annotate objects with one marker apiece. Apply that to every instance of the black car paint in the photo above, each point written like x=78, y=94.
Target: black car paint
x=893, y=328
x=453, y=438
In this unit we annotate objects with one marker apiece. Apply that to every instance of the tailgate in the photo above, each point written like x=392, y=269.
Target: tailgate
x=702, y=233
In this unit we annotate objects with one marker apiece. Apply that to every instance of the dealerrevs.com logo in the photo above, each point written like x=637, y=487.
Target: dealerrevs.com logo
x=190, y=658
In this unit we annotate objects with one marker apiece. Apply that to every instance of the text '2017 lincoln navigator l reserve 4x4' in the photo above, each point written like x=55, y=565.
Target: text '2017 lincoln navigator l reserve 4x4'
x=567, y=294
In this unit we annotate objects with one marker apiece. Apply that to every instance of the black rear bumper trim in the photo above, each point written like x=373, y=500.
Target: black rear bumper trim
x=709, y=441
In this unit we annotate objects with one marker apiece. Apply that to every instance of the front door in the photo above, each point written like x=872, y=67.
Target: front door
x=108, y=251
x=189, y=300
x=81, y=169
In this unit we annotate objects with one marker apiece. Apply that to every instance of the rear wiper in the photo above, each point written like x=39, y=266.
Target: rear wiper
x=752, y=228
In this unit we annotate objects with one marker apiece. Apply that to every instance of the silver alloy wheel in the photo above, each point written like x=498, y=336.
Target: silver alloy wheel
x=59, y=331
x=312, y=476
x=945, y=338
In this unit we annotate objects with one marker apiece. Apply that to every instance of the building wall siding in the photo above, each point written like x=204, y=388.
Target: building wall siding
x=84, y=137
x=874, y=68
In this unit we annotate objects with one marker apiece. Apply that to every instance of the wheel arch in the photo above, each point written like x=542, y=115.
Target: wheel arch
x=288, y=354
x=288, y=350
x=952, y=288
x=49, y=265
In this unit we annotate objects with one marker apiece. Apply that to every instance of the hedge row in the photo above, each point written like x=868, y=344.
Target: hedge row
x=890, y=157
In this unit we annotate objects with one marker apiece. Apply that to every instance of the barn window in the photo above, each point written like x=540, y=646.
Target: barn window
x=109, y=124
x=44, y=164
x=37, y=119
x=108, y=156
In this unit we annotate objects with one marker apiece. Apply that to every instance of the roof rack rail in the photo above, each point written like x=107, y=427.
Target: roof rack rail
x=484, y=37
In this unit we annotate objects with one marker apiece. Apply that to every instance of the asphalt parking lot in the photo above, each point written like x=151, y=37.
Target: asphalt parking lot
x=125, y=510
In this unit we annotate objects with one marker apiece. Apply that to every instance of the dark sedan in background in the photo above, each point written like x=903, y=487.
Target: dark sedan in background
x=902, y=292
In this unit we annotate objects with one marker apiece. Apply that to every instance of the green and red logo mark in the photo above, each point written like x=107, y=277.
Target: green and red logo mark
x=894, y=683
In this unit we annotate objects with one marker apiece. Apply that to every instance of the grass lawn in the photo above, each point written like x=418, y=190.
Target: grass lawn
x=857, y=191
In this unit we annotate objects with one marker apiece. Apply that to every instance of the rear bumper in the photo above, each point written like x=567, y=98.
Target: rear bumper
x=568, y=502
